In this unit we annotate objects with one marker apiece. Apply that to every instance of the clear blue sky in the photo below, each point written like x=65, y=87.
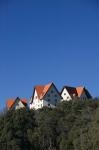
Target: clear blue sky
x=48, y=40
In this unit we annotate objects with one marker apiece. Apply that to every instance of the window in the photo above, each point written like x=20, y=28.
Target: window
x=48, y=100
x=64, y=93
x=55, y=95
x=48, y=104
x=48, y=95
x=51, y=91
x=67, y=97
x=55, y=100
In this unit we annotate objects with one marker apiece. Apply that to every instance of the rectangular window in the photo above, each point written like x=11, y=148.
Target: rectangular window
x=48, y=95
x=55, y=100
x=48, y=104
x=51, y=91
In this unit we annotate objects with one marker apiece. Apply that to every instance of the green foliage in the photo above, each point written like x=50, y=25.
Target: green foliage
x=72, y=125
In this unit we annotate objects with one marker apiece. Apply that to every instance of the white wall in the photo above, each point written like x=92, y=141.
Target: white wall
x=65, y=95
x=37, y=103
x=19, y=105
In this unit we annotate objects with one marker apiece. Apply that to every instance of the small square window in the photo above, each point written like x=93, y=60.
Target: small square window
x=51, y=91
x=48, y=104
x=48, y=95
x=48, y=100
x=64, y=93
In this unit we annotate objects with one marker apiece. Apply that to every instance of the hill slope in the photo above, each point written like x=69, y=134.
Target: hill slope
x=72, y=125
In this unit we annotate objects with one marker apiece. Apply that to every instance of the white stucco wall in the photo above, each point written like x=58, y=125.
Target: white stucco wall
x=65, y=95
x=37, y=103
x=19, y=105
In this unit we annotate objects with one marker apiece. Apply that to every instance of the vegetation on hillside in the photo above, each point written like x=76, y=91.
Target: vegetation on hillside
x=72, y=125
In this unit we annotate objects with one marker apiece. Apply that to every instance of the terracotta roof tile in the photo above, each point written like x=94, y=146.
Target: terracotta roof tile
x=10, y=102
x=42, y=90
x=24, y=100
x=79, y=90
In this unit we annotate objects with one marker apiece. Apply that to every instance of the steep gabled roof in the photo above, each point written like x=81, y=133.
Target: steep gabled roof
x=11, y=102
x=71, y=90
x=88, y=94
x=80, y=90
x=42, y=90
x=77, y=91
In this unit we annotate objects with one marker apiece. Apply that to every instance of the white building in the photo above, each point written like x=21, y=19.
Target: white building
x=46, y=95
x=69, y=93
x=16, y=103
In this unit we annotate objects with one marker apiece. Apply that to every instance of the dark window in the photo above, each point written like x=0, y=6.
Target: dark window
x=48, y=95
x=48, y=100
x=51, y=91
x=48, y=104
x=55, y=95
x=64, y=93
x=55, y=100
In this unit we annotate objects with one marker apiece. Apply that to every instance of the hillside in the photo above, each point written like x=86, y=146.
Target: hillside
x=72, y=125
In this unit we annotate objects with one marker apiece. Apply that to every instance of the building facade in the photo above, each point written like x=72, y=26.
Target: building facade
x=16, y=103
x=69, y=93
x=46, y=95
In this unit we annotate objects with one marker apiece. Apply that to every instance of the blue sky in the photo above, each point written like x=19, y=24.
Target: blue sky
x=48, y=40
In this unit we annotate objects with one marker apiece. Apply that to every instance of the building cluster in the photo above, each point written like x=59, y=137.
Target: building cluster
x=48, y=95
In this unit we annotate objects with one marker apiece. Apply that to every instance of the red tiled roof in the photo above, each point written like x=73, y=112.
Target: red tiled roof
x=42, y=90
x=10, y=102
x=71, y=90
x=75, y=91
x=24, y=100
x=79, y=90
